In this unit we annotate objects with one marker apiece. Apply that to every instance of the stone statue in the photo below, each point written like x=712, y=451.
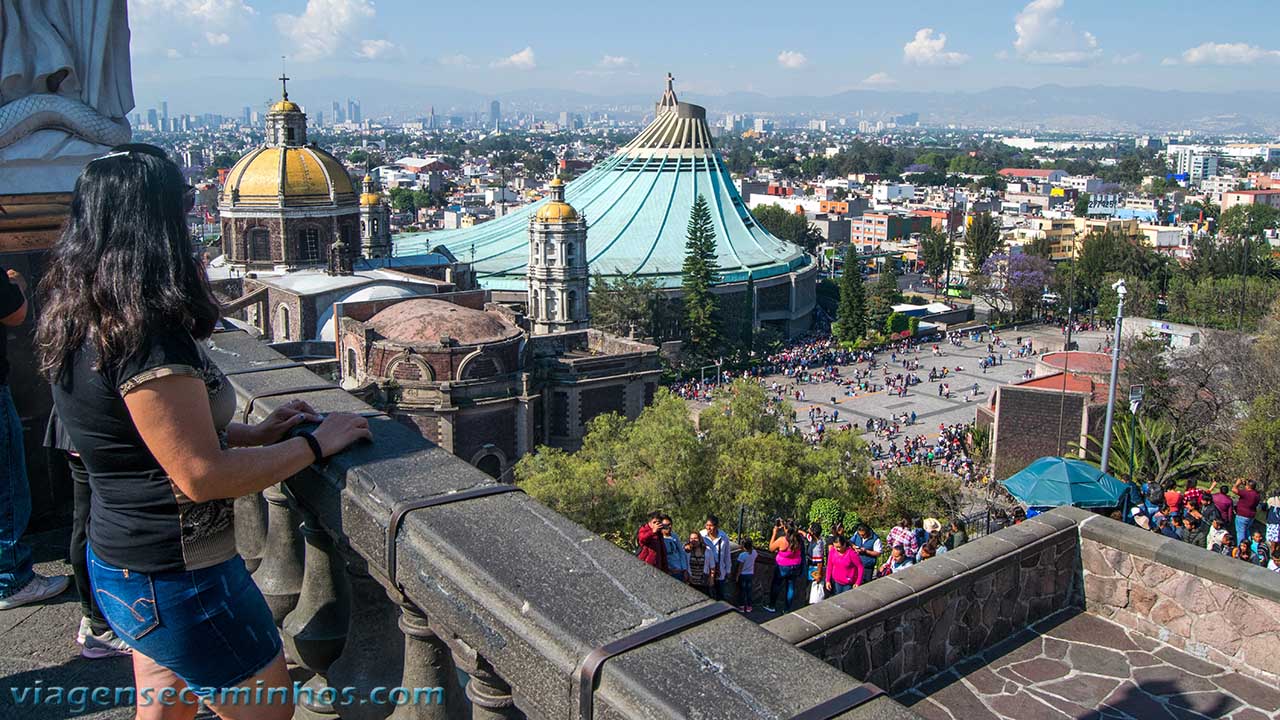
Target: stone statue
x=65, y=89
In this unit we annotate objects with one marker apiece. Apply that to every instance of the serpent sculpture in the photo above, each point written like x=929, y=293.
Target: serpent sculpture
x=30, y=113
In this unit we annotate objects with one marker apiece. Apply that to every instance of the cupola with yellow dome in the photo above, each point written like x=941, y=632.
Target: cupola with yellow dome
x=556, y=209
x=558, y=273
x=285, y=203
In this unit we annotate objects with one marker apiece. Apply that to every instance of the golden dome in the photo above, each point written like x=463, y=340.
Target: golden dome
x=288, y=176
x=557, y=211
x=286, y=106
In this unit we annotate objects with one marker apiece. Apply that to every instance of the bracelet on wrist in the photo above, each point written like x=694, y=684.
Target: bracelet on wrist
x=314, y=444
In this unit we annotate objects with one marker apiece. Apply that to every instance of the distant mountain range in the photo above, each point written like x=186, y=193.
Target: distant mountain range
x=1043, y=108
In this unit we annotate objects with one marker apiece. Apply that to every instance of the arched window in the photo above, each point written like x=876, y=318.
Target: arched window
x=282, y=323
x=351, y=362
x=551, y=306
x=569, y=252
x=260, y=245
x=571, y=305
x=490, y=465
x=309, y=245
x=375, y=226
x=534, y=307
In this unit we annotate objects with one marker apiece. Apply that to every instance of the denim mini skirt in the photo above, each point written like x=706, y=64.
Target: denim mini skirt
x=211, y=626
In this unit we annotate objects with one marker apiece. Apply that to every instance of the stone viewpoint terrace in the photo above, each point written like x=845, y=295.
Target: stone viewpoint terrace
x=377, y=579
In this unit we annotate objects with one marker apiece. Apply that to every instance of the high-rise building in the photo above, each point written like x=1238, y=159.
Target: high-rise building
x=153, y=119
x=337, y=112
x=495, y=114
x=1195, y=164
x=431, y=118
x=247, y=116
x=164, y=111
x=353, y=110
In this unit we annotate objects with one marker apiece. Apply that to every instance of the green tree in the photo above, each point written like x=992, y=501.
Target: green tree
x=851, y=316
x=884, y=295
x=981, y=241
x=1081, y=208
x=914, y=491
x=625, y=304
x=1160, y=453
x=936, y=250
x=697, y=276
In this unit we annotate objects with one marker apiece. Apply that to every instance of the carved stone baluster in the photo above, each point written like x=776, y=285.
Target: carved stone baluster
x=373, y=653
x=316, y=631
x=428, y=663
x=251, y=529
x=279, y=576
x=490, y=695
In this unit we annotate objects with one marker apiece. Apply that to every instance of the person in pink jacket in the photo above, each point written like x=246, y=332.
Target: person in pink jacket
x=844, y=566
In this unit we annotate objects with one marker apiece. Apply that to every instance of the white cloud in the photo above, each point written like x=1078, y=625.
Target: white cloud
x=1226, y=54
x=523, y=60
x=1129, y=59
x=792, y=60
x=929, y=49
x=879, y=79
x=1047, y=39
x=612, y=62
x=378, y=50
x=324, y=27
x=161, y=26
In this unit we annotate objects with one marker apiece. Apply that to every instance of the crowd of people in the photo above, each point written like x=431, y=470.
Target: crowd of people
x=1231, y=520
x=807, y=563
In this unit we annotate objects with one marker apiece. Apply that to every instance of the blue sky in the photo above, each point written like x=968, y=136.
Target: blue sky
x=777, y=48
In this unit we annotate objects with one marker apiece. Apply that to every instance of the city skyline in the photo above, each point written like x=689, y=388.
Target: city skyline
x=222, y=47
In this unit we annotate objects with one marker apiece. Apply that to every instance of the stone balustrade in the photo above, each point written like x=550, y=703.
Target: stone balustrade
x=496, y=587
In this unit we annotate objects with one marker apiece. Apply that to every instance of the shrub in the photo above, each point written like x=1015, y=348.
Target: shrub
x=825, y=511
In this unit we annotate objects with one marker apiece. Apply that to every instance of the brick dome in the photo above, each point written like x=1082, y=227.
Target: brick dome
x=424, y=321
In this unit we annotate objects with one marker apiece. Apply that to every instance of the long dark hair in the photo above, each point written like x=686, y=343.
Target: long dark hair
x=124, y=266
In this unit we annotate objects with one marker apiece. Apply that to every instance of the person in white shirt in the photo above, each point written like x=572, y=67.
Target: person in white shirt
x=717, y=542
x=746, y=573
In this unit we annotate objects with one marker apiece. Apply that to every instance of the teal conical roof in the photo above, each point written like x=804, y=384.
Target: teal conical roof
x=637, y=204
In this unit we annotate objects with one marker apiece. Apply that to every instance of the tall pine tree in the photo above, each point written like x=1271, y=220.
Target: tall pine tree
x=884, y=295
x=851, y=314
x=697, y=276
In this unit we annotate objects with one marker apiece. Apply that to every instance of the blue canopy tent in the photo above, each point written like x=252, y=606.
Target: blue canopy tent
x=1058, y=481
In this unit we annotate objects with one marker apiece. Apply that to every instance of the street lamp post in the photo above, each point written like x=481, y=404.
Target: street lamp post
x=1115, y=371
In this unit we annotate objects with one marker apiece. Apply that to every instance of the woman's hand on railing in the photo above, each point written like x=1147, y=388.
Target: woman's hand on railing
x=277, y=425
x=339, y=431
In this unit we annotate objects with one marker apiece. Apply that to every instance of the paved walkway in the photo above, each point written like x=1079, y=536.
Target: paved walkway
x=38, y=648
x=1082, y=666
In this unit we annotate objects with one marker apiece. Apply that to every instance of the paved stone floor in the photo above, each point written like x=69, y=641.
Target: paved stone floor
x=38, y=648
x=1082, y=666
x=932, y=410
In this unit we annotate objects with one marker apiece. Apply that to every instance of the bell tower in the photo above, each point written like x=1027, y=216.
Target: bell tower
x=558, y=274
x=286, y=123
x=375, y=222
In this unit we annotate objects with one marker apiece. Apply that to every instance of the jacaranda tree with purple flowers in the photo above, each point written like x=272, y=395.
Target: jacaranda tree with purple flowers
x=1013, y=284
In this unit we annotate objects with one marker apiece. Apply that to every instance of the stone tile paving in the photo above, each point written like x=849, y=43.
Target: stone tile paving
x=1077, y=665
x=932, y=410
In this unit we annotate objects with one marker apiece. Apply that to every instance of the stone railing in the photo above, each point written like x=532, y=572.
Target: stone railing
x=479, y=579
x=902, y=629
x=1209, y=605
